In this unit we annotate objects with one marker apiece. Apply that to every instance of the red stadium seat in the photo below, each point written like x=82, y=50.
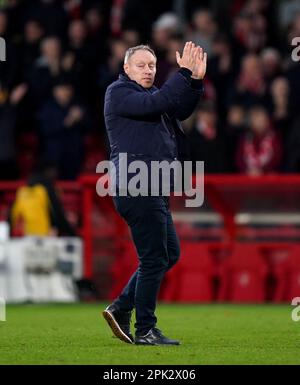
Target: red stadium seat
x=191, y=280
x=288, y=277
x=95, y=152
x=243, y=275
x=124, y=266
x=276, y=257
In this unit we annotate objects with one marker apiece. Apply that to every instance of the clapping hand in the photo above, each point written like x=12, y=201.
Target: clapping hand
x=194, y=59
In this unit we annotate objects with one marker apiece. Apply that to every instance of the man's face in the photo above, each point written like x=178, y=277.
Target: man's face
x=141, y=67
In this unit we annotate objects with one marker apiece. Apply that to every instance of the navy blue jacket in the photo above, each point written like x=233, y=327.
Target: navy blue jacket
x=145, y=123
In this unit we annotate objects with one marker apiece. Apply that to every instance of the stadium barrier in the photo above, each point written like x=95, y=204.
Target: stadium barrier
x=264, y=211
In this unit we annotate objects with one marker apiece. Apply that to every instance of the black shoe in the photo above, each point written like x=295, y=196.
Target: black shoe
x=155, y=337
x=119, y=322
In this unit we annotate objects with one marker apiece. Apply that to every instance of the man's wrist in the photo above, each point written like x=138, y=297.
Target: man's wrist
x=186, y=72
x=195, y=83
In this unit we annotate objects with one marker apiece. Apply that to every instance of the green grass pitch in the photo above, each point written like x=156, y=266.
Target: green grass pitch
x=210, y=334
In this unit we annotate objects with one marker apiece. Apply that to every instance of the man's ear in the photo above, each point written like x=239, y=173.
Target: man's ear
x=125, y=66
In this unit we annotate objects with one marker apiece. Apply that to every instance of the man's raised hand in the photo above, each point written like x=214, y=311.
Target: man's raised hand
x=199, y=69
x=194, y=59
x=187, y=60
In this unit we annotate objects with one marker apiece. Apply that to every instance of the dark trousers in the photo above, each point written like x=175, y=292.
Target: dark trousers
x=157, y=245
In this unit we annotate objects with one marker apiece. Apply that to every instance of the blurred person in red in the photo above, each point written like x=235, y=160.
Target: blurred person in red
x=249, y=31
x=250, y=88
x=260, y=150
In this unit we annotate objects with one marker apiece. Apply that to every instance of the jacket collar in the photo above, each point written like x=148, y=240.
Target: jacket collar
x=123, y=76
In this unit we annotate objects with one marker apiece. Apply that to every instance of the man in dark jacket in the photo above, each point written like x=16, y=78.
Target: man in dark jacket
x=144, y=123
x=63, y=122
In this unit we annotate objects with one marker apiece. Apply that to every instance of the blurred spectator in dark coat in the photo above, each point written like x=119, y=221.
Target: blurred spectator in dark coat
x=271, y=64
x=287, y=12
x=294, y=27
x=28, y=53
x=235, y=129
x=131, y=37
x=81, y=59
x=51, y=15
x=280, y=106
x=140, y=15
x=221, y=70
x=259, y=151
x=293, y=76
x=8, y=105
x=29, y=49
x=96, y=20
x=167, y=63
x=62, y=124
x=47, y=70
x=293, y=148
x=109, y=71
x=206, y=142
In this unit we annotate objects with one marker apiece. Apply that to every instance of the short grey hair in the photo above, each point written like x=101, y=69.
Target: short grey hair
x=132, y=50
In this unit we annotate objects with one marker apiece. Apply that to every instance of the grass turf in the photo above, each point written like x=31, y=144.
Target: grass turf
x=210, y=334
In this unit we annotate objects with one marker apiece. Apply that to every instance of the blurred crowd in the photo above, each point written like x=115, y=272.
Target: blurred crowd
x=61, y=56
